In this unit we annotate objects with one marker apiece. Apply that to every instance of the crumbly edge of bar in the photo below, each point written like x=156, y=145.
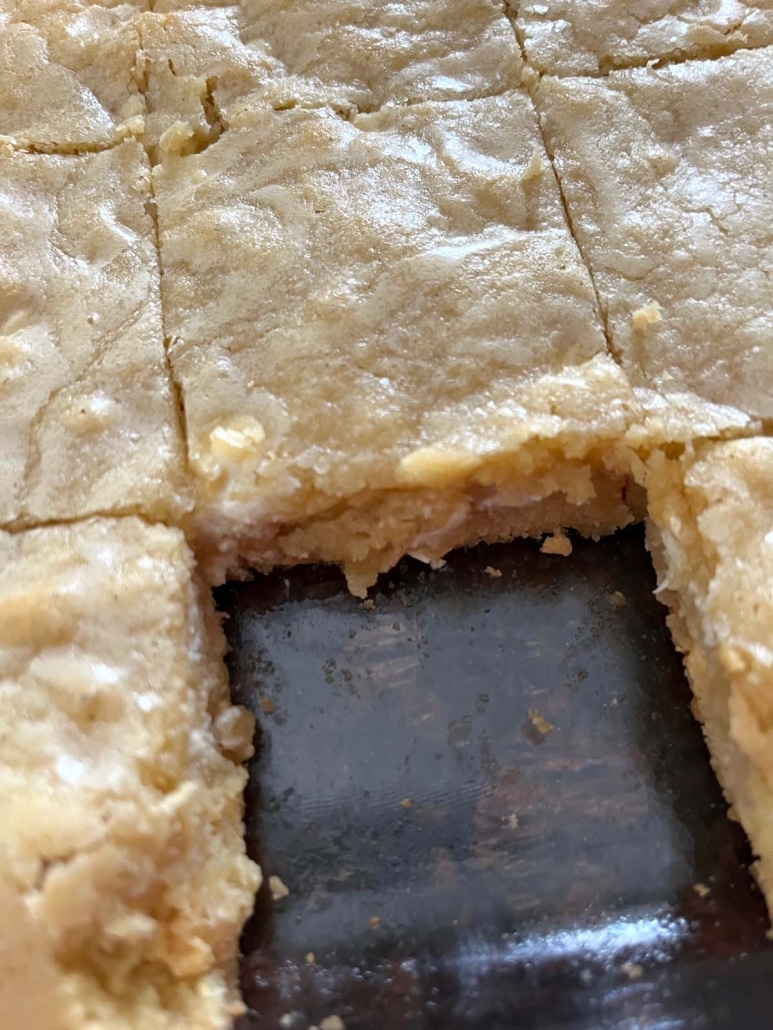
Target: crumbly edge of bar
x=368, y=534
x=745, y=787
x=123, y=989
x=161, y=1003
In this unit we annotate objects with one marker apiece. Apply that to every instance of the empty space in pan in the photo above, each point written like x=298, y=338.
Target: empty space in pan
x=489, y=801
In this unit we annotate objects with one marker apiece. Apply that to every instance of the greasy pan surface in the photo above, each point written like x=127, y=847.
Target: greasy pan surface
x=490, y=803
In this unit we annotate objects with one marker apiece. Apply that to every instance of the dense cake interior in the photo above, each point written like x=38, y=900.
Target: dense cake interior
x=120, y=776
x=406, y=279
x=337, y=280
x=711, y=537
x=121, y=857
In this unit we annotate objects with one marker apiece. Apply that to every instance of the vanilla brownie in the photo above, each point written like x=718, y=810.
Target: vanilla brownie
x=70, y=79
x=385, y=339
x=591, y=37
x=667, y=178
x=364, y=53
x=88, y=421
x=711, y=536
x=123, y=873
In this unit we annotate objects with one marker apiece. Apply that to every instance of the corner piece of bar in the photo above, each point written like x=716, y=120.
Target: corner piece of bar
x=711, y=536
x=123, y=876
x=385, y=338
x=667, y=178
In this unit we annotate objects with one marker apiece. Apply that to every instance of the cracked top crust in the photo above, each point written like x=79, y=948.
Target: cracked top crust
x=385, y=302
x=591, y=37
x=69, y=77
x=361, y=55
x=121, y=796
x=88, y=423
x=200, y=74
x=667, y=179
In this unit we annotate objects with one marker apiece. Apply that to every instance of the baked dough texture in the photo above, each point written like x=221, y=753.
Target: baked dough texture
x=365, y=53
x=88, y=421
x=385, y=339
x=672, y=213
x=711, y=536
x=199, y=72
x=592, y=37
x=69, y=78
x=123, y=877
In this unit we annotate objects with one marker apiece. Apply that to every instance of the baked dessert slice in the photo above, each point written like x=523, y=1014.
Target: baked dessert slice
x=592, y=37
x=123, y=877
x=364, y=54
x=384, y=338
x=69, y=79
x=668, y=189
x=88, y=421
x=710, y=531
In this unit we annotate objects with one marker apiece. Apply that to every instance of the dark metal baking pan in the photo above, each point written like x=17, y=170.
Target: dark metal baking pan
x=489, y=802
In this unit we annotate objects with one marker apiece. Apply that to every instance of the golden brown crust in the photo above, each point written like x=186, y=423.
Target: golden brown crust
x=360, y=55
x=70, y=79
x=672, y=215
x=88, y=421
x=389, y=309
x=386, y=341
x=591, y=37
x=121, y=813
